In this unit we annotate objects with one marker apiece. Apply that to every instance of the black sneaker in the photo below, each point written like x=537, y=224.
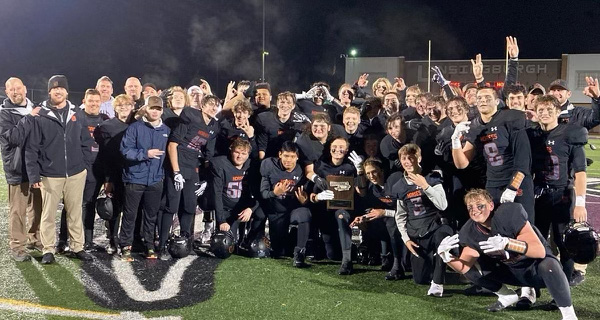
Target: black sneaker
x=84, y=256
x=395, y=275
x=299, y=255
x=577, y=278
x=48, y=258
x=387, y=262
x=164, y=254
x=346, y=268
x=90, y=247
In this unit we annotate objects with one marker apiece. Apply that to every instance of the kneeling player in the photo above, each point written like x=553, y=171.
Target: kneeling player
x=281, y=186
x=502, y=247
x=229, y=190
x=420, y=200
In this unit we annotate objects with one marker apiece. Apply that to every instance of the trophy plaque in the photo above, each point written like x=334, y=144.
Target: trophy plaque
x=343, y=192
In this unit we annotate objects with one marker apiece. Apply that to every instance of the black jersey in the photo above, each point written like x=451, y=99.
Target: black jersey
x=309, y=108
x=325, y=168
x=310, y=148
x=228, y=186
x=170, y=118
x=92, y=122
x=194, y=137
x=508, y=220
x=108, y=136
x=557, y=153
x=422, y=213
x=504, y=145
x=272, y=172
x=376, y=198
x=272, y=133
x=473, y=176
x=389, y=149
x=356, y=139
x=229, y=132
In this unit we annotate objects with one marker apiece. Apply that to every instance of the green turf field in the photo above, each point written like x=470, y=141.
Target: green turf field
x=272, y=289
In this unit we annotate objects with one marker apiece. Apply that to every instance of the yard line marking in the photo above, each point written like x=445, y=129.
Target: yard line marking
x=169, y=286
x=28, y=307
x=45, y=275
x=84, y=279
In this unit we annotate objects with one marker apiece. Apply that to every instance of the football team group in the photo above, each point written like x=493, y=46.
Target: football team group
x=474, y=178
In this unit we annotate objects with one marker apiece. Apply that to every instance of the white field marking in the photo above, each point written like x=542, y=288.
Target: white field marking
x=84, y=279
x=28, y=307
x=45, y=275
x=169, y=286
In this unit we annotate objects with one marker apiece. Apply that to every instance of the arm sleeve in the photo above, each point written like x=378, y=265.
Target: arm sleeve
x=521, y=152
x=590, y=117
x=265, y=185
x=449, y=93
x=217, y=190
x=128, y=146
x=577, y=161
x=437, y=195
x=401, y=218
x=86, y=146
x=32, y=148
x=511, y=76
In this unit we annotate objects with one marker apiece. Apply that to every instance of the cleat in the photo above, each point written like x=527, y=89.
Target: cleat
x=346, y=268
x=48, y=258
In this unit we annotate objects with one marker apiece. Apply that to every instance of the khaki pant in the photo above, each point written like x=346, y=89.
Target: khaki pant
x=71, y=190
x=24, y=215
x=581, y=268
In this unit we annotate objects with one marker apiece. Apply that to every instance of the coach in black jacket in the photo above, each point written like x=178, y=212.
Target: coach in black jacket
x=16, y=117
x=58, y=147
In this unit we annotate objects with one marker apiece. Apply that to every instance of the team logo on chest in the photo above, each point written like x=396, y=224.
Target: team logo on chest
x=550, y=142
x=494, y=129
x=342, y=172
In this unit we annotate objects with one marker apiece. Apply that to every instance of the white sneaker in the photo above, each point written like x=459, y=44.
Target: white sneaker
x=435, y=289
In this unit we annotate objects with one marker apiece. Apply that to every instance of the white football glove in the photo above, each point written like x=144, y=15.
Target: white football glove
x=449, y=243
x=201, y=188
x=179, y=181
x=508, y=196
x=325, y=195
x=493, y=244
x=459, y=131
x=357, y=161
x=328, y=96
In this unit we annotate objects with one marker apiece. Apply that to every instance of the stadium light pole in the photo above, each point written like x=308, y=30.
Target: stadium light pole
x=263, y=53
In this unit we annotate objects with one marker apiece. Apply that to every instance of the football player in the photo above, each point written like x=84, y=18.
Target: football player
x=282, y=185
x=230, y=191
x=501, y=247
x=420, y=199
x=558, y=159
x=337, y=224
x=501, y=138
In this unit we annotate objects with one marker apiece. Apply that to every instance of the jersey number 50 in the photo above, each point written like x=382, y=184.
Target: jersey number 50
x=234, y=190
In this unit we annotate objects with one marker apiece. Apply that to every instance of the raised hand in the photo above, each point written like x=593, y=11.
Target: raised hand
x=593, y=89
x=205, y=87
x=512, y=47
x=362, y=80
x=477, y=68
x=399, y=84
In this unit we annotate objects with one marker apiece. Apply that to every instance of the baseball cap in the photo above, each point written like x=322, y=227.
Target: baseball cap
x=558, y=83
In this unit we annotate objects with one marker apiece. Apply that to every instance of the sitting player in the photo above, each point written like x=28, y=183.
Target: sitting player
x=501, y=247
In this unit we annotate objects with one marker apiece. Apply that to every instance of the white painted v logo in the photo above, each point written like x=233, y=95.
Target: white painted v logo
x=169, y=286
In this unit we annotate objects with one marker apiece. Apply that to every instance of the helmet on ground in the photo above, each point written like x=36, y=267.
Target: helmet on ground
x=222, y=244
x=581, y=242
x=178, y=246
x=260, y=248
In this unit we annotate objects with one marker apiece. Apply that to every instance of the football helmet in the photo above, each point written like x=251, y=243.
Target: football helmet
x=178, y=246
x=260, y=248
x=581, y=242
x=104, y=206
x=222, y=244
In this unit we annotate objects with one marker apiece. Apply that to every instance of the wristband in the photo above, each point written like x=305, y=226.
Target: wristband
x=456, y=144
x=176, y=173
x=517, y=246
x=312, y=178
x=515, y=183
x=580, y=201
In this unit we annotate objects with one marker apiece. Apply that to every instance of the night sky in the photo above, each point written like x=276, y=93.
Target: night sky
x=178, y=42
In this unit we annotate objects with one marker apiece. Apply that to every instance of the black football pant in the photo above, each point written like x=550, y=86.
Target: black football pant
x=428, y=259
x=118, y=201
x=181, y=202
x=149, y=198
x=325, y=221
x=553, y=208
x=279, y=224
x=524, y=196
x=257, y=223
x=386, y=230
x=93, y=183
x=343, y=219
x=542, y=273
